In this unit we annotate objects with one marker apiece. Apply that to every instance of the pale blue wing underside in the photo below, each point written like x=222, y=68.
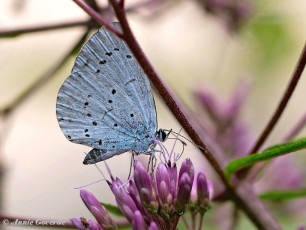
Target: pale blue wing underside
x=93, y=110
x=107, y=54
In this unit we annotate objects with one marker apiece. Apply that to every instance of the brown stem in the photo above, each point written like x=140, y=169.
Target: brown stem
x=93, y=4
x=32, y=29
x=97, y=16
x=173, y=104
x=284, y=101
x=259, y=215
x=44, y=78
x=243, y=173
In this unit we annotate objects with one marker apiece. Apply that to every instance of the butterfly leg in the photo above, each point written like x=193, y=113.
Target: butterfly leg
x=152, y=161
x=132, y=162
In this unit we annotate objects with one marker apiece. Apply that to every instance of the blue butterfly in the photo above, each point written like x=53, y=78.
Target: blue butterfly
x=106, y=103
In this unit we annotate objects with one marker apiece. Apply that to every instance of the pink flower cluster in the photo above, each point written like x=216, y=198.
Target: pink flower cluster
x=150, y=201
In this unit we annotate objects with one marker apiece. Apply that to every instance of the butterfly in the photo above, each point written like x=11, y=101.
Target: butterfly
x=106, y=103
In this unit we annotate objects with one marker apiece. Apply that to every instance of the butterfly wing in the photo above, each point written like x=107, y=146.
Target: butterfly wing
x=106, y=103
x=96, y=155
x=107, y=54
x=93, y=110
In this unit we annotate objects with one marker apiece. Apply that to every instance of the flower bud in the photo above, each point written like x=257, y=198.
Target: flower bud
x=124, y=201
x=98, y=211
x=153, y=226
x=145, y=188
x=185, y=182
x=172, y=172
x=202, y=192
x=162, y=181
x=138, y=223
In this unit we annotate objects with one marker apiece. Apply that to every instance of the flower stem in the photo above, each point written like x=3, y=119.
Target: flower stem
x=201, y=221
x=193, y=220
x=283, y=103
x=186, y=223
x=33, y=29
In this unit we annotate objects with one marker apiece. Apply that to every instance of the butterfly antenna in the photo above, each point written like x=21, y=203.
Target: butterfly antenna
x=185, y=139
x=179, y=156
x=95, y=182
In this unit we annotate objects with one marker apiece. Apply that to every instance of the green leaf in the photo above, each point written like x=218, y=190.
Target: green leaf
x=271, y=152
x=112, y=209
x=283, y=194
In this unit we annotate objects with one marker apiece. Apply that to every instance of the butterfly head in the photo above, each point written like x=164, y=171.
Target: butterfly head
x=161, y=135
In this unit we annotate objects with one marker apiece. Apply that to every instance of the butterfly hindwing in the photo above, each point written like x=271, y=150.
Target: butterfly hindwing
x=92, y=110
x=96, y=155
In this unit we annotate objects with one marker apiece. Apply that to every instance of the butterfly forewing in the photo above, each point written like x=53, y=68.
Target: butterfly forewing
x=107, y=54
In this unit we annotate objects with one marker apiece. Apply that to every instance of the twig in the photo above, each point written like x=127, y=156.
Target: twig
x=97, y=16
x=44, y=78
x=93, y=4
x=32, y=29
x=283, y=103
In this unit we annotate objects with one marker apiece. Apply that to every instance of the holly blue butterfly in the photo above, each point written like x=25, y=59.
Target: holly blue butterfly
x=106, y=103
